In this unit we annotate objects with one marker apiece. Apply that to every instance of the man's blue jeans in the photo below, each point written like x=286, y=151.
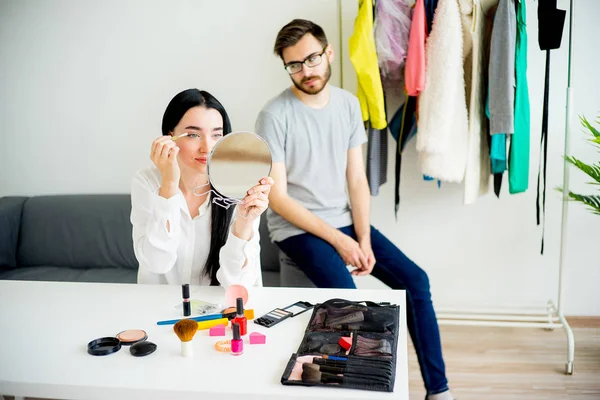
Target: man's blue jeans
x=324, y=266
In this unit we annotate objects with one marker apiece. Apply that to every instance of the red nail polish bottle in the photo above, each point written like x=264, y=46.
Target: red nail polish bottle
x=237, y=344
x=240, y=318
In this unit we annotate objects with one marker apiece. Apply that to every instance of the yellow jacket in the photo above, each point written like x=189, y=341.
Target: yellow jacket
x=363, y=56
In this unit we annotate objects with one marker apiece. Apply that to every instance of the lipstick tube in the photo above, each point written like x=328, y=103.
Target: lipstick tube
x=187, y=307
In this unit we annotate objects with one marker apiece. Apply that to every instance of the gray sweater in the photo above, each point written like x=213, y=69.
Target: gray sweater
x=502, y=69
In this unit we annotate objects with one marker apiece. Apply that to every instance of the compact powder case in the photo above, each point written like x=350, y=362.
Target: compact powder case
x=104, y=346
x=131, y=336
x=141, y=349
x=136, y=338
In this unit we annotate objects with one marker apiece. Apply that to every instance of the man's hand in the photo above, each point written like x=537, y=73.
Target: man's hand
x=365, y=246
x=350, y=251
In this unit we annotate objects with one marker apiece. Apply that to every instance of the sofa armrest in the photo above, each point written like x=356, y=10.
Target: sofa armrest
x=11, y=209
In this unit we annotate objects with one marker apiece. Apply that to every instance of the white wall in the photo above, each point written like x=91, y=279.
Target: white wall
x=83, y=86
x=85, y=83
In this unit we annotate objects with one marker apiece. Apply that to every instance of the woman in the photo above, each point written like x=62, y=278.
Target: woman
x=178, y=236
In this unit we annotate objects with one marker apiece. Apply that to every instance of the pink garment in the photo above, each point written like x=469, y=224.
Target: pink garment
x=391, y=30
x=414, y=73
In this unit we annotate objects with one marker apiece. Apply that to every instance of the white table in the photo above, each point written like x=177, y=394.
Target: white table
x=45, y=328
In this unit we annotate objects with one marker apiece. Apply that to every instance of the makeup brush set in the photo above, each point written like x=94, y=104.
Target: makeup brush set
x=347, y=344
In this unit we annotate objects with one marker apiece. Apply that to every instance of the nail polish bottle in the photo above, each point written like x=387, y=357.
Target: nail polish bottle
x=240, y=318
x=237, y=344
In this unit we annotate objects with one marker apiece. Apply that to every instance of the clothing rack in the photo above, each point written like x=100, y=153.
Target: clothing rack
x=551, y=316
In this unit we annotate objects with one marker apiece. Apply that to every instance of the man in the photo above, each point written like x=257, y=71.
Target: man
x=315, y=132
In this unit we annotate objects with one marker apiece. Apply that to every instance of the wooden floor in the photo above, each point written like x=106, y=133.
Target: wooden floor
x=515, y=363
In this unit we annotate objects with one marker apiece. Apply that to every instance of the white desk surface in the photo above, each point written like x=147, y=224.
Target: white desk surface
x=45, y=328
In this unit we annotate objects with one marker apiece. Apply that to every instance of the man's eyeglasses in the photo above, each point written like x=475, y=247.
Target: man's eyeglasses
x=310, y=61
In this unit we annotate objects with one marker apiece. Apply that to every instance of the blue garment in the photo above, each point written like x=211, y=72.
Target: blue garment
x=430, y=6
x=498, y=153
x=497, y=147
x=395, y=126
x=324, y=266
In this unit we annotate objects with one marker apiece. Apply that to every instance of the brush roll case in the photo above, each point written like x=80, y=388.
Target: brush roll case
x=371, y=360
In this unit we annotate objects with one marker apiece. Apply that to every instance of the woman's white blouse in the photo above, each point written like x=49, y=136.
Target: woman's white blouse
x=178, y=255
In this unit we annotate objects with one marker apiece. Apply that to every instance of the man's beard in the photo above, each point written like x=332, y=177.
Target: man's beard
x=314, y=90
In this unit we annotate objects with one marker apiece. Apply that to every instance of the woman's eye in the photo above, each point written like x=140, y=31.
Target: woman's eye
x=193, y=135
x=218, y=135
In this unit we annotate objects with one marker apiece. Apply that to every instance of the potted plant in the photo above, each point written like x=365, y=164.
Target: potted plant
x=592, y=170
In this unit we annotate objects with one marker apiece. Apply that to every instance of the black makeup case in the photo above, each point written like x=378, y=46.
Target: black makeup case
x=370, y=362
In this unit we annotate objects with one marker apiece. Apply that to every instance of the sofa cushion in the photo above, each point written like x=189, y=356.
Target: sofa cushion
x=291, y=274
x=268, y=249
x=270, y=278
x=10, y=221
x=77, y=231
x=65, y=274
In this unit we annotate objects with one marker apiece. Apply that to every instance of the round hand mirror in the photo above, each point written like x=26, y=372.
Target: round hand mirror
x=238, y=162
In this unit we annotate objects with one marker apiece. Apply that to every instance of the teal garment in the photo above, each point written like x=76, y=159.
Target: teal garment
x=498, y=153
x=518, y=169
x=497, y=147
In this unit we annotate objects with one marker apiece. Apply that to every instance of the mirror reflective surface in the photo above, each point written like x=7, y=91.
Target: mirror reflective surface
x=237, y=162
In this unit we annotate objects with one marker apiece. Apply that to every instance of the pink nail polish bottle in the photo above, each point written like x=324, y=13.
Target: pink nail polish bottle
x=237, y=344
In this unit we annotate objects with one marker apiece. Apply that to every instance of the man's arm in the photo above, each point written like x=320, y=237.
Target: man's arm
x=360, y=195
x=360, y=199
x=293, y=212
x=300, y=216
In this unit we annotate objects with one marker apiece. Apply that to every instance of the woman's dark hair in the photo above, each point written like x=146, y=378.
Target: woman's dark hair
x=220, y=217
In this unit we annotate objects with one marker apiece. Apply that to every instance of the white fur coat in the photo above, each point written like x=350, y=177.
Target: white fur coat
x=443, y=127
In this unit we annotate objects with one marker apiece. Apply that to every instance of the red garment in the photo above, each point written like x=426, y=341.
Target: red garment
x=414, y=73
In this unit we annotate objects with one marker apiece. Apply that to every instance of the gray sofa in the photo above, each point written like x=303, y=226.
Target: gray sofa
x=82, y=238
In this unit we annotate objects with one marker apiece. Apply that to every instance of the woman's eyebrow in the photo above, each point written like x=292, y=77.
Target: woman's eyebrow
x=195, y=128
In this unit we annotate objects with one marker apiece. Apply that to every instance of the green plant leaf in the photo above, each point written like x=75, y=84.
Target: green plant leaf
x=589, y=126
x=592, y=201
x=591, y=170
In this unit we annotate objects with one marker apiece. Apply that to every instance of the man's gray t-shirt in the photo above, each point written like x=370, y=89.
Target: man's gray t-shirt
x=313, y=144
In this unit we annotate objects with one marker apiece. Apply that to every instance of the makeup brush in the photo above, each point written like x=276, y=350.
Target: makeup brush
x=366, y=373
x=313, y=375
x=357, y=316
x=363, y=363
x=185, y=330
x=249, y=314
x=360, y=370
x=343, y=360
x=372, y=347
x=174, y=138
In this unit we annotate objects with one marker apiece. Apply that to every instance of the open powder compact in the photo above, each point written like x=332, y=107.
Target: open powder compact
x=131, y=336
x=136, y=338
x=104, y=346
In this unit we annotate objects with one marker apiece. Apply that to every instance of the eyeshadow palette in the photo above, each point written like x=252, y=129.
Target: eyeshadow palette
x=273, y=317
